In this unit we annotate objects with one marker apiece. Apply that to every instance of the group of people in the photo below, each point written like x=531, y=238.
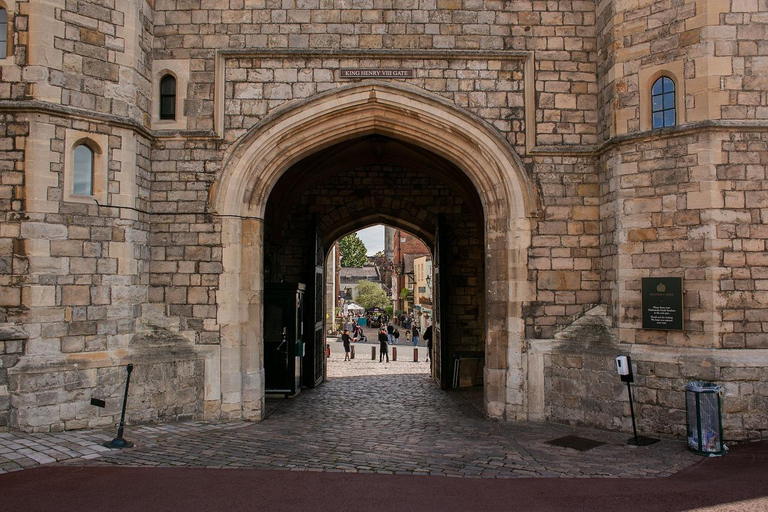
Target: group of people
x=386, y=338
x=411, y=336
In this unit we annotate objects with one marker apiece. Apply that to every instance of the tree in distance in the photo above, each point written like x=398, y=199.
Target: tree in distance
x=353, y=251
x=370, y=295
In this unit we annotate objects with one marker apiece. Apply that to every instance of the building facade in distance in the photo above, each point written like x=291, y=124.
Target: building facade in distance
x=161, y=161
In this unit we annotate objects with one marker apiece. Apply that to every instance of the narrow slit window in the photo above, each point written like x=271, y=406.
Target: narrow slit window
x=663, y=102
x=83, y=175
x=3, y=33
x=168, y=97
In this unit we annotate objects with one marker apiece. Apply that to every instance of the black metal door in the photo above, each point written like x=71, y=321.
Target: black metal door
x=283, y=321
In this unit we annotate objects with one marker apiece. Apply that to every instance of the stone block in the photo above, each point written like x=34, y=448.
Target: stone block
x=75, y=295
x=645, y=205
x=39, y=416
x=101, y=69
x=10, y=296
x=668, y=370
x=756, y=340
x=45, y=231
x=559, y=280
x=740, y=374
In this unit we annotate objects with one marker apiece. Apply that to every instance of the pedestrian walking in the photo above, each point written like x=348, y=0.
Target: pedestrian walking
x=390, y=333
x=407, y=335
x=345, y=339
x=415, y=336
x=396, y=335
x=428, y=339
x=383, y=349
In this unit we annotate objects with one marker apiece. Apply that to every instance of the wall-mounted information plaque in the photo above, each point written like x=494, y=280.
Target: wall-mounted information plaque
x=663, y=303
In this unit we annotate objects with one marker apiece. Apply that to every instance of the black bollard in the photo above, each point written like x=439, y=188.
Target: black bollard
x=119, y=442
x=352, y=353
x=373, y=353
x=415, y=355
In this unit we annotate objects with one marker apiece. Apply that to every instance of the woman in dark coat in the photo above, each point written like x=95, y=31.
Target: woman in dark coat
x=383, y=349
x=345, y=341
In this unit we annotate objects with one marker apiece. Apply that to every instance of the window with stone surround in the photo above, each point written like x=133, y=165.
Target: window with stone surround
x=170, y=79
x=82, y=183
x=663, y=103
x=650, y=80
x=85, y=167
x=168, y=98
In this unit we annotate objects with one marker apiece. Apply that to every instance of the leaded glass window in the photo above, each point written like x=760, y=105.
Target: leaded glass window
x=663, y=102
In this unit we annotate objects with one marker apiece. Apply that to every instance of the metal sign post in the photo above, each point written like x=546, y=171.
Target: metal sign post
x=624, y=368
x=119, y=442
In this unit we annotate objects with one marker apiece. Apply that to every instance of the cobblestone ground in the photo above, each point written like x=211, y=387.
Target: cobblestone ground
x=369, y=417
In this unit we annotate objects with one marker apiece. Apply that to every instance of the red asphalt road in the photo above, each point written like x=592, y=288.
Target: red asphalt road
x=735, y=482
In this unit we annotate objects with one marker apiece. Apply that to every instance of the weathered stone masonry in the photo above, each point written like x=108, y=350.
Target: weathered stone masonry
x=145, y=277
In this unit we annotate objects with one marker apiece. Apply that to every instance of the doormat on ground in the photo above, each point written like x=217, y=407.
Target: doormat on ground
x=577, y=443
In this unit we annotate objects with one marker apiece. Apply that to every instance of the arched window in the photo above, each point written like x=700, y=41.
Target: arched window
x=663, y=102
x=168, y=97
x=83, y=175
x=3, y=33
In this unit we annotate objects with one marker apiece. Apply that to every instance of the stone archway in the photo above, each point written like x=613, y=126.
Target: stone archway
x=258, y=160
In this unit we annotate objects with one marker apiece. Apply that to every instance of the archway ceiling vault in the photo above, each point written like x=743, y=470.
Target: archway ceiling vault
x=323, y=166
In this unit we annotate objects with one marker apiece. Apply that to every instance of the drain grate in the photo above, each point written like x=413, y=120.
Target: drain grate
x=581, y=444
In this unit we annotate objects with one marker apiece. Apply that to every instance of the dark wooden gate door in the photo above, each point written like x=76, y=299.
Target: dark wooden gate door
x=441, y=366
x=318, y=317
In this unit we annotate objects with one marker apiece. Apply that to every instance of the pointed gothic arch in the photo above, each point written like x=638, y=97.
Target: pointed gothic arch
x=256, y=162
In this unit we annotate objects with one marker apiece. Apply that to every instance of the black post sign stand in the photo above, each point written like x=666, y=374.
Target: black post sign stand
x=636, y=440
x=119, y=442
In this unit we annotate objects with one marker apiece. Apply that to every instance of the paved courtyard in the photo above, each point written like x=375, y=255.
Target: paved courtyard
x=370, y=417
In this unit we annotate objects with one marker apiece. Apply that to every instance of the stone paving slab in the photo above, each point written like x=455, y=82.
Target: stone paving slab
x=370, y=417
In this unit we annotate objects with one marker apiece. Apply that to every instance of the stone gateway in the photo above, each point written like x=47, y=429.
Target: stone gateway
x=163, y=161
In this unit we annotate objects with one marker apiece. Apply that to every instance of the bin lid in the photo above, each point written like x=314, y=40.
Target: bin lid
x=703, y=387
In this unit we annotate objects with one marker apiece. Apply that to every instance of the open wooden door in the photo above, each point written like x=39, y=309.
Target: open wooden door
x=441, y=364
x=314, y=358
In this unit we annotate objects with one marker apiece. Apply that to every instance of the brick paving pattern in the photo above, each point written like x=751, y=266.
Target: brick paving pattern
x=370, y=417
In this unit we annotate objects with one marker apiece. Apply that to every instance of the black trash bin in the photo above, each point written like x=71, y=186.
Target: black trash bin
x=705, y=421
